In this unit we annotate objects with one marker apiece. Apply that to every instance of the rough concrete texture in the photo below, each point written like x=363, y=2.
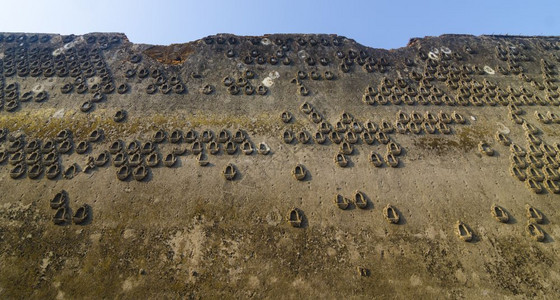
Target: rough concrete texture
x=472, y=122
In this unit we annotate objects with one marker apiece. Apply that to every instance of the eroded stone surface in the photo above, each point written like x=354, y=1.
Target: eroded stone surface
x=192, y=229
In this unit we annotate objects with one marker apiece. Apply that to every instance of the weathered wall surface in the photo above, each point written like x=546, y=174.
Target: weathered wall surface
x=471, y=122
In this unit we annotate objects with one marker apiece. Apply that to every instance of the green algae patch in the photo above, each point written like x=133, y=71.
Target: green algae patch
x=465, y=139
x=46, y=123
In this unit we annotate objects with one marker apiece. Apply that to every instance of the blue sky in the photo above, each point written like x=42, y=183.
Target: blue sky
x=379, y=24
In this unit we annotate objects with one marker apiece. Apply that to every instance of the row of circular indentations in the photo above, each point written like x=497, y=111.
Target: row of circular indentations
x=261, y=59
x=36, y=156
x=23, y=38
x=278, y=41
x=42, y=61
x=411, y=97
x=243, y=85
x=347, y=131
x=135, y=151
x=464, y=70
x=462, y=230
x=99, y=90
x=360, y=200
x=13, y=98
x=82, y=147
x=537, y=166
x=162, y=83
